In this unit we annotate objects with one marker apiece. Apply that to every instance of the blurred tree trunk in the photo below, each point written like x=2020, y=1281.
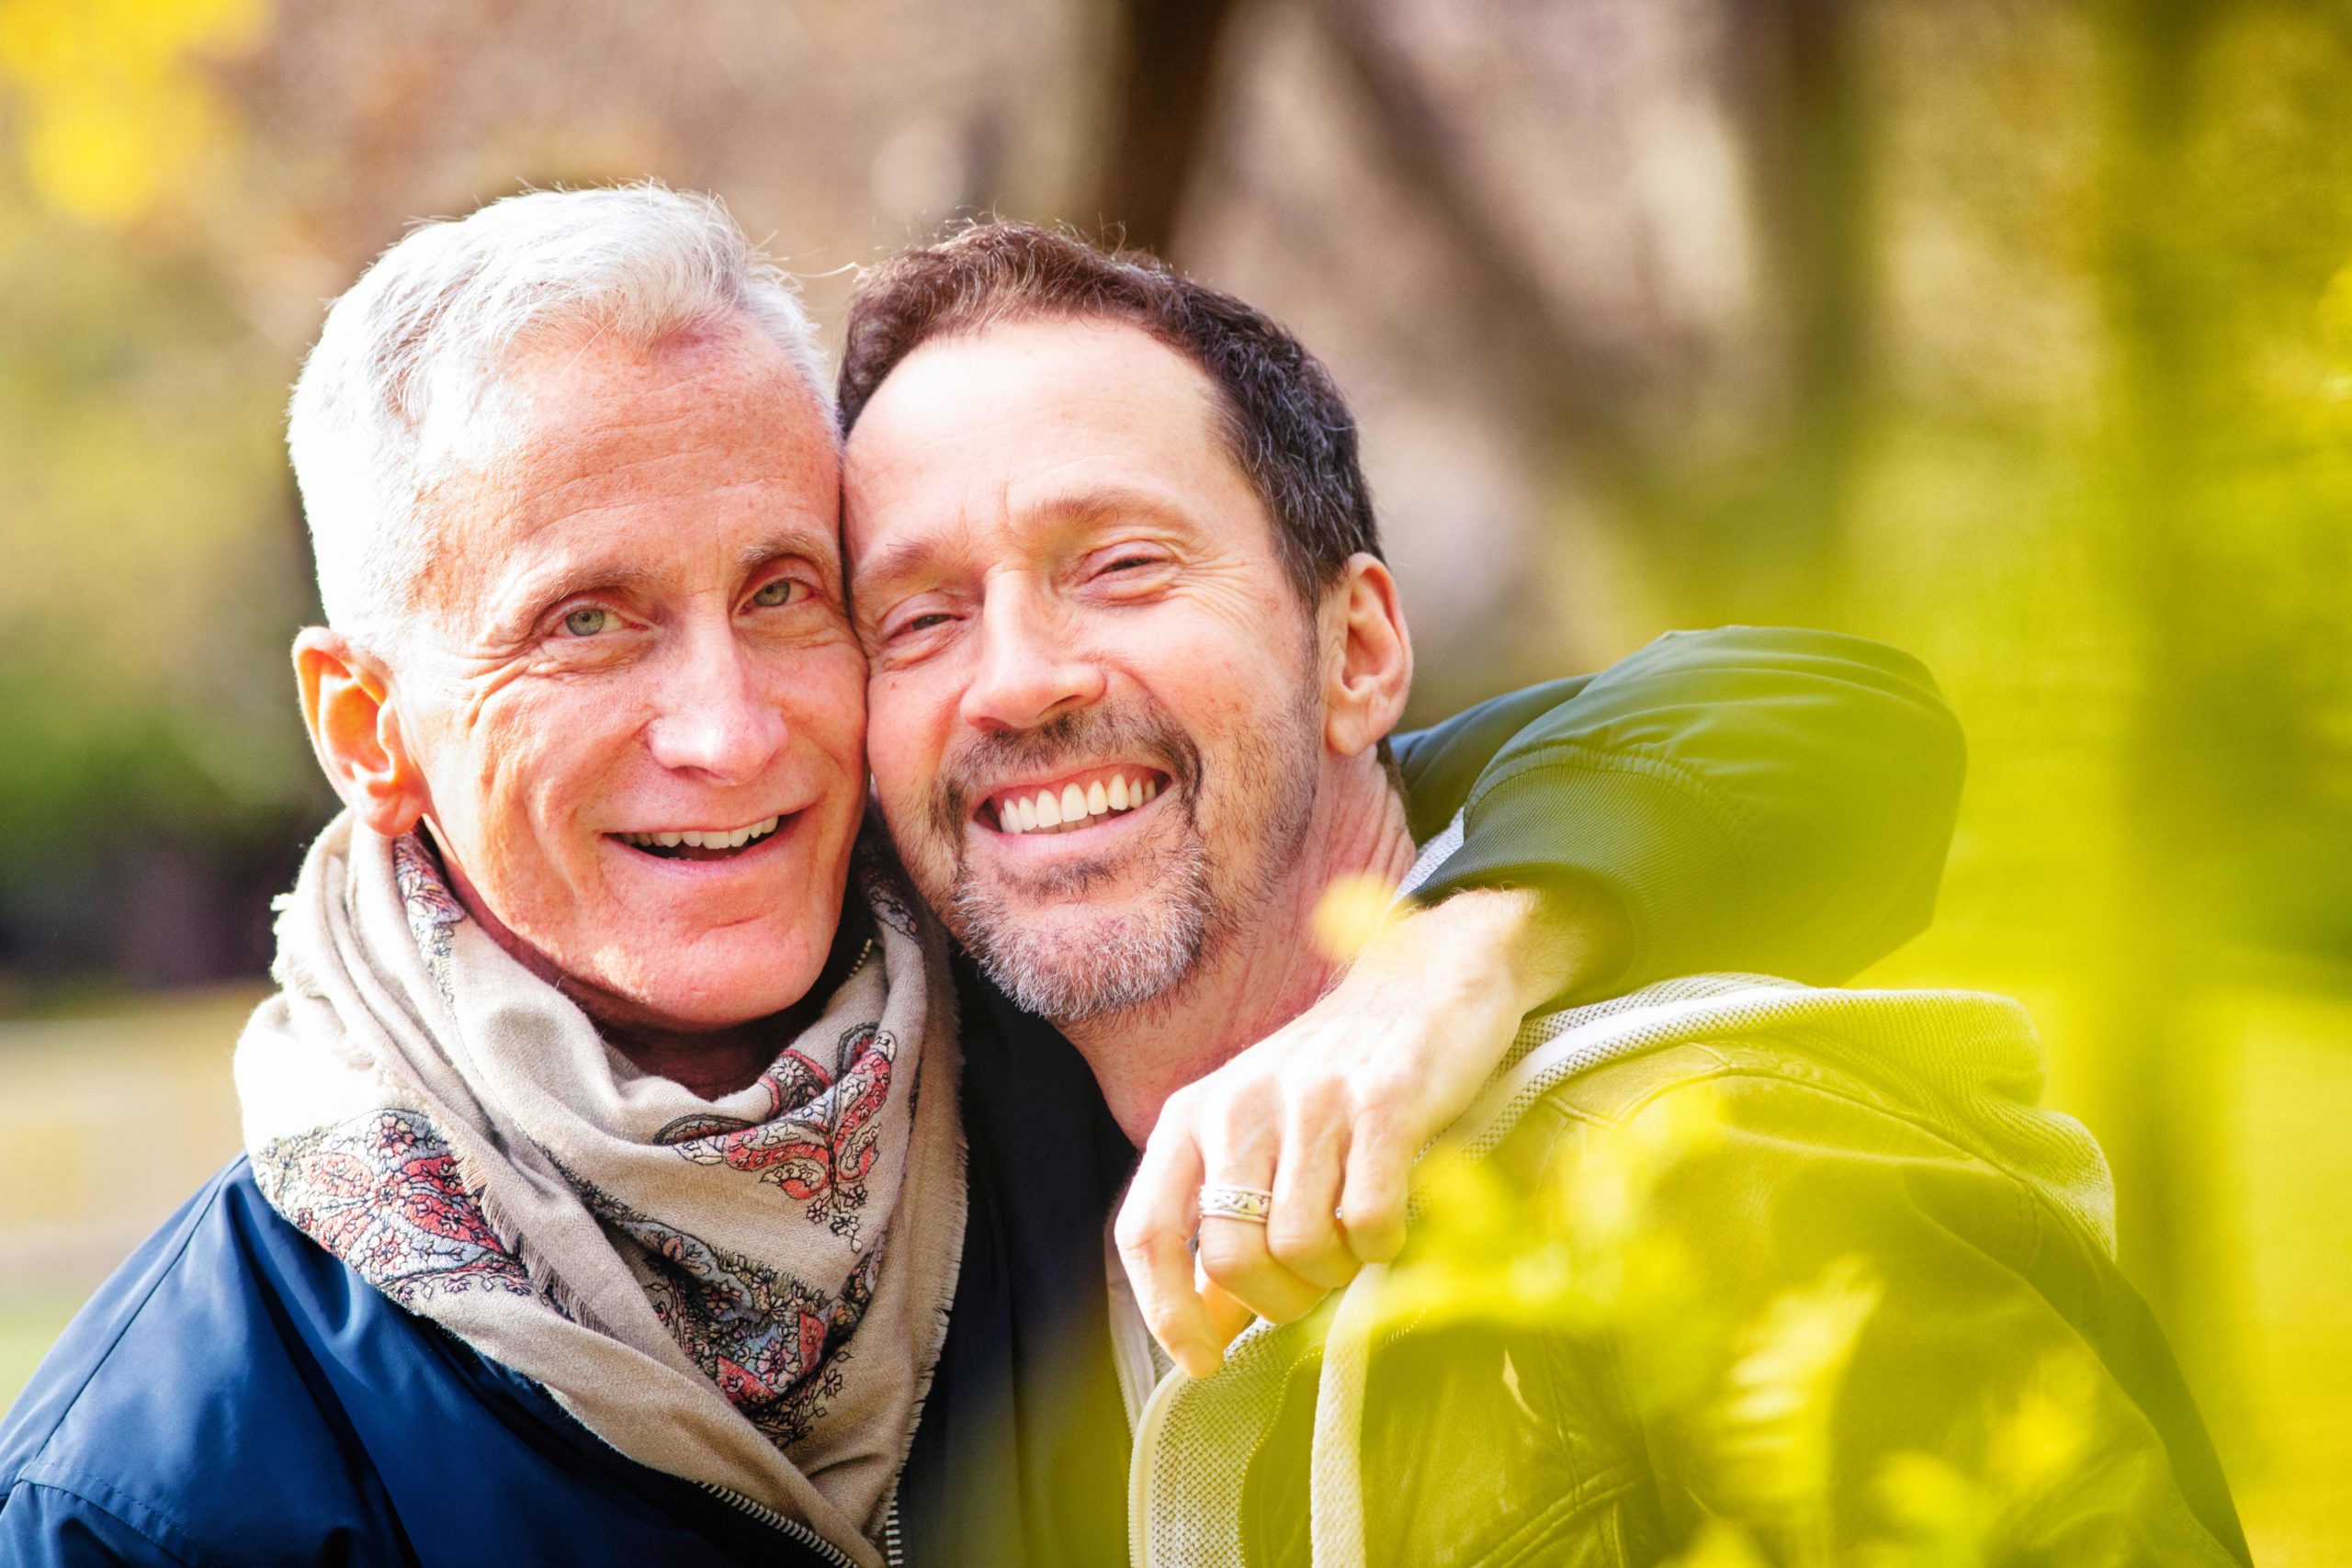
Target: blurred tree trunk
x=1163, y=61
x=1569, y=387
x=2159, y=1095
x=1796, y=72
x=1765, y=552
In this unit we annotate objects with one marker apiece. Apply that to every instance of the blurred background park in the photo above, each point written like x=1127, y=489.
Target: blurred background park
x=2018, y=332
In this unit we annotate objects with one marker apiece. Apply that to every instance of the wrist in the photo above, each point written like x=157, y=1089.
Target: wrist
x=1552, y=942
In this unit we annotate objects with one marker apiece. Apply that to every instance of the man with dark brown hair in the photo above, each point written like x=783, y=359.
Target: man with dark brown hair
x=1107, y=533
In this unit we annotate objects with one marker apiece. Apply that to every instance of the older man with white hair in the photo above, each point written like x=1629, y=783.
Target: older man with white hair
x=604, y=1197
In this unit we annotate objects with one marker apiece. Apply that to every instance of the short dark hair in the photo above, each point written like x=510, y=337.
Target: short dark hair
x=1283, y=416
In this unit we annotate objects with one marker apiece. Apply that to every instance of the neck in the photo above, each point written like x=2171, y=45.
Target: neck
x=1257, y=978
x=715, y=1062
x=712, y=1063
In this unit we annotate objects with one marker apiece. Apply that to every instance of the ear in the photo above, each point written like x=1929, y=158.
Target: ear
x=1366, y=683
x=355, y=729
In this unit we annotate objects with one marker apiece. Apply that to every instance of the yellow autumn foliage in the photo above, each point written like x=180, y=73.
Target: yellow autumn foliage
x=110, y=104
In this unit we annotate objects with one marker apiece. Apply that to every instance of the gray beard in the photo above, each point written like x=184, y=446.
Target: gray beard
x=1075, y=978
x=1144, y=960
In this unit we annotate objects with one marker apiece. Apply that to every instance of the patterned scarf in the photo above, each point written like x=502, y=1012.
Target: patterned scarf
x=747, y=1292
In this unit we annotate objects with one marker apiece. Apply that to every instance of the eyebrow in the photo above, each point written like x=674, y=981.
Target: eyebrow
x=525, y=600
x=534, y=595
x=1091, y=506
x=824, y=548
x=895, y=562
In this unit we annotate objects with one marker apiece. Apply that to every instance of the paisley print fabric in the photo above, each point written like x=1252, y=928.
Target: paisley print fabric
x=819, y=1137
x=383, y=1193
x=431, y=910
x=699, y=1281
x=762, y=1337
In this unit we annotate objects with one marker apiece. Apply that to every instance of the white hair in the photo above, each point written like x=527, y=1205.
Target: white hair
x=393, y=392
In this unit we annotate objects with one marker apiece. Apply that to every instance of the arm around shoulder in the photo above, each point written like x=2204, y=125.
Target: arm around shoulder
x=1777, y=800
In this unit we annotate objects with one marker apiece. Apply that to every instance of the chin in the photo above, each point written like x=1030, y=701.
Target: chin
x=723, y=978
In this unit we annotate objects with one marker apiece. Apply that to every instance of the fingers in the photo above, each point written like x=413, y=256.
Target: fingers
x=1229, y=1315
x=1154, y=1234
x=1303, y=1233
x=1238, y=1146
x=1319, y=1118
x=1379, y=1166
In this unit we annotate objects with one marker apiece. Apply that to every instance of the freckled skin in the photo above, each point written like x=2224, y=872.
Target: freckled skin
x=597, y=658
x=960, y=488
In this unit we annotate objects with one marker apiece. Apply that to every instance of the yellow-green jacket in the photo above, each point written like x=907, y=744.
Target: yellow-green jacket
x=1730, y=1268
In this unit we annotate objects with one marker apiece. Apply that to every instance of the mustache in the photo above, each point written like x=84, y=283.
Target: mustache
x=1088, y=735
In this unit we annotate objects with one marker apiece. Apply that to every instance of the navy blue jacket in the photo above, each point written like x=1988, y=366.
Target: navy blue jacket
x=235, y=1395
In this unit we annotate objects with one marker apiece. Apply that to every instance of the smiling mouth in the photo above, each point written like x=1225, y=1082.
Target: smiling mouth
x=701, y=843
x=1081, y=801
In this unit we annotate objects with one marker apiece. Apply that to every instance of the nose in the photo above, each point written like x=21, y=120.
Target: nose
x=1028, y=670
x=712, y=718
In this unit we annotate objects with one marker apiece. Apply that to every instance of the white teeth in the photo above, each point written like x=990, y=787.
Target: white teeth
x=1073, y=803
x=704, y=839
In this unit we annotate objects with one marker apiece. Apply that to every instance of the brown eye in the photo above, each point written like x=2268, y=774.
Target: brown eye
x=588, y=620
x=771, y=594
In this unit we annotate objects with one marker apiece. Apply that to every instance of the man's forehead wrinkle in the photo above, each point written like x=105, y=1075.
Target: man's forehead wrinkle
x=1077, y=494
x=649, y=463
x=639, y=437
x=564, y=398
x=639, y=481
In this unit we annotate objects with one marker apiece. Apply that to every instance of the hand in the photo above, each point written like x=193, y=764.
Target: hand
x=1330, y=1111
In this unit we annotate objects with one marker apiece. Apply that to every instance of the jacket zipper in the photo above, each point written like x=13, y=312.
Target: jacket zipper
x=787, y=1526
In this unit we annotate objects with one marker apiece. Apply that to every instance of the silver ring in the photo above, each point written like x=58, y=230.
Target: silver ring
x=1252, y=1204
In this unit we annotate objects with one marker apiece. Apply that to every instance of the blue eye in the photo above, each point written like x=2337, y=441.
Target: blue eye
x=588, y=620
x=780, y=591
